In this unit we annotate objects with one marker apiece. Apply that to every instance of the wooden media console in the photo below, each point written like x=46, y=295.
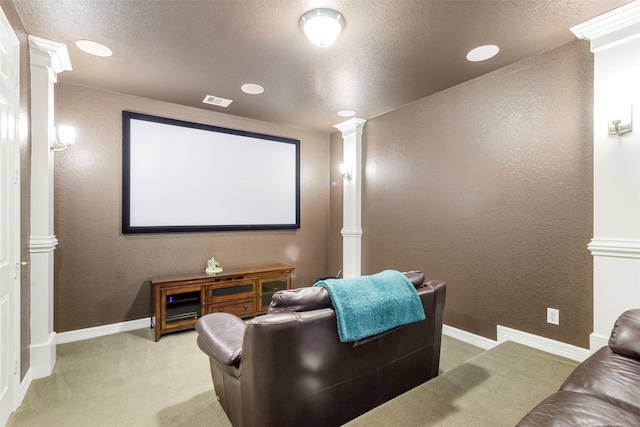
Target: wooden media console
x=178, y=301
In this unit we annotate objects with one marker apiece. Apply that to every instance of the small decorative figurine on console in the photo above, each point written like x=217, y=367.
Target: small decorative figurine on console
x=213, y=267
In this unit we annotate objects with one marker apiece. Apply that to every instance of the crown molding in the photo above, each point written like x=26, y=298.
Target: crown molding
x=609, y=29
x=47, y=53
x=354, y=125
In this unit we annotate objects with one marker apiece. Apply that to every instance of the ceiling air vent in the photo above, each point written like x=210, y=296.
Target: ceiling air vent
x=216, y=100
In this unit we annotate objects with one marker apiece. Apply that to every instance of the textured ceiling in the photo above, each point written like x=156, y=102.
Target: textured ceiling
x=391, y=52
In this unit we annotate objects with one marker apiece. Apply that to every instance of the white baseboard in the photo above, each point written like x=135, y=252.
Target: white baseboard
x=504, y=334
x=468, y=337
x=507, y=334
x=597, y=341
x=99, y=331
x=541, y=343
x=24, y=386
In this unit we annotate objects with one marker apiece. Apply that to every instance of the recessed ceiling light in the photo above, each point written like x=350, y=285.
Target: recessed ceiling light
x=346, y=113
x=252, y=89
x=483, y=53
x=93, y=48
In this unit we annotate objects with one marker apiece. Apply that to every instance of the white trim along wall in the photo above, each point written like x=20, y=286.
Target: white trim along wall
x=504, y=334
x=47, y=60
x=615, y=43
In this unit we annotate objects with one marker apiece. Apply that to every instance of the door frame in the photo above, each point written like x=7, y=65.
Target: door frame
x=13, y=211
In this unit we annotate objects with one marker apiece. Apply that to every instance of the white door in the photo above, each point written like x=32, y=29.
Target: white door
x=9, y=218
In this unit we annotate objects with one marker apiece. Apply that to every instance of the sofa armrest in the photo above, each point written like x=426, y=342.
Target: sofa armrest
x=220, y=336
x=625, y=336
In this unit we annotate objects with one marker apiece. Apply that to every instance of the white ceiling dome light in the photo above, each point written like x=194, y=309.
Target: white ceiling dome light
x=322, y=26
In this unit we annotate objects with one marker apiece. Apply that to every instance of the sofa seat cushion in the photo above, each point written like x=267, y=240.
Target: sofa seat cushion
x=609, y=377
x=566, y=408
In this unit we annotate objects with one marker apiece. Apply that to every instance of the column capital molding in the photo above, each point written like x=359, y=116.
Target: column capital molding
x=49, y=54
x=609, y=29
x=348, y=127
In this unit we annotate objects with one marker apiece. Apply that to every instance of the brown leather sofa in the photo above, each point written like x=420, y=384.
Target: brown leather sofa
x=289, y=368
x=604, y=390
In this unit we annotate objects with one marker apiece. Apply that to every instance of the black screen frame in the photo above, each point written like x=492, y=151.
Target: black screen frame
x=128, y=228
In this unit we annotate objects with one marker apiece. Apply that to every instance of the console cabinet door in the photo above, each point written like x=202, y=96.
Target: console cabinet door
x=181, y=307
x=268, y=286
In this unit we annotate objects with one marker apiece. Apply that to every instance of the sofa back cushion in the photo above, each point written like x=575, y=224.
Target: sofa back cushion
x=307, y=299
x=415, y=276
x=625, y=336
x=301, y=299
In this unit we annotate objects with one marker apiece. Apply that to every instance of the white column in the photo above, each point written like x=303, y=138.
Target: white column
x=47, y=59
x=352, y=197
x=615, y=42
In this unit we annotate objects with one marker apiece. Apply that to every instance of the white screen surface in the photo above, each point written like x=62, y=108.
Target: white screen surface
x=190, y=178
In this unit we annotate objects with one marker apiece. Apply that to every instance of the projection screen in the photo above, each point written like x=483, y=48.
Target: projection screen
x=179, y=176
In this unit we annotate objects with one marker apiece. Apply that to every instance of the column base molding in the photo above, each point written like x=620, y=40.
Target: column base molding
x=42, y=244
x=43, y=357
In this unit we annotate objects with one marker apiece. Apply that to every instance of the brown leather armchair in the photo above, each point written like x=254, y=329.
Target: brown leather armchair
x=289, y=368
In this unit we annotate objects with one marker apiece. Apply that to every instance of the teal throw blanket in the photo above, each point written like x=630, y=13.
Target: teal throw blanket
x=369, y=305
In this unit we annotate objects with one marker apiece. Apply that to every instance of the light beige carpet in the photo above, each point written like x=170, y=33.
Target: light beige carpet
x=496, y=388
x=454, y=352
x=127, y=379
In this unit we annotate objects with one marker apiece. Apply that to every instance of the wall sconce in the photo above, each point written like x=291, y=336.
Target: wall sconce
x=345, y=171
x=622, y=124
x=63, y=138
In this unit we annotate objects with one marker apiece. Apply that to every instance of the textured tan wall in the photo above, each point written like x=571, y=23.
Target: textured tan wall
x=335, y=240
x=99, y=272
x=488, y=186
x=25, y=186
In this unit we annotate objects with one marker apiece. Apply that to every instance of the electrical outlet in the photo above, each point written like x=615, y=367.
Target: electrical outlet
x=553, y=316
